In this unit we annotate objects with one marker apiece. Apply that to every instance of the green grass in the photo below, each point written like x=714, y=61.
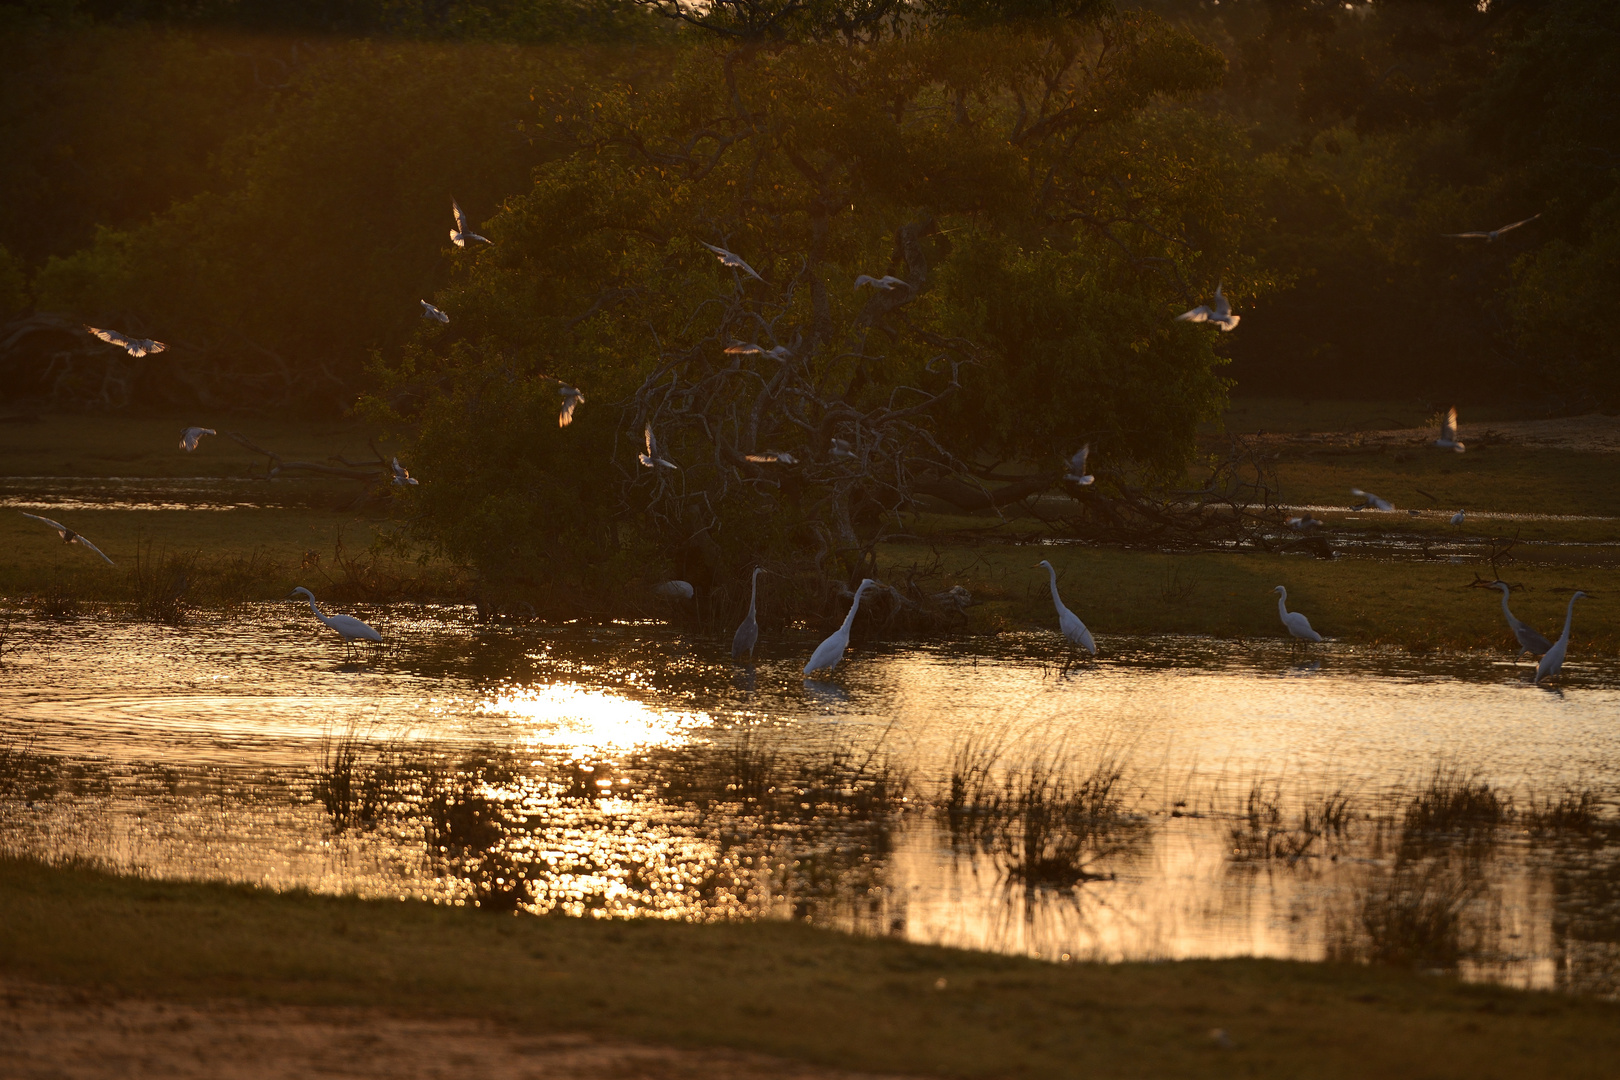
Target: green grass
x=1418, y=605
x=788, y=989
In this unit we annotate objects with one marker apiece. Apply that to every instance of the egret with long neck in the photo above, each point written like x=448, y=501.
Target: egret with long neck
x=829, y=652
x=1298, y=625
x=1529, y=641
x=1553, y=662
x=747, y=635
x=349, y=628
x=1068, y=622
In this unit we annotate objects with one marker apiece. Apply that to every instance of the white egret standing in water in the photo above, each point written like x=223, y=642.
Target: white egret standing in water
x=1529, y=641
x=68, y=535
x=347, y=627
x=1297, y=624
x=192, y=435
x=1068, y=622
x=829, y=652
x=1458, y=517
x=1448, y=433
x=747, y=636
x=1552, y=663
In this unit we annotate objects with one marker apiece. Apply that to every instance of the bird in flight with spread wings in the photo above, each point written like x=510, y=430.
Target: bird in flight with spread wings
x=1220, y=316
x=652, y=458
x=68, y=535
x=461, y=235
x=1490, y=235
x=732, y=260
x=134, y=346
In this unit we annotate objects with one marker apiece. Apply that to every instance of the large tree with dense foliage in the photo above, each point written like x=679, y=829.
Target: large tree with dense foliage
x=1043, y=199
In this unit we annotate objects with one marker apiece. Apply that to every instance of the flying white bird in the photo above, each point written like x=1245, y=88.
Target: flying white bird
x=842, y=450
x=885, y=283
x=133, y=346
x=349, y=628
x=68, y=535
x=1221, y=316
x=1529, y=641
x=770, y=456
x=675, y=589
x=747, y=636
x=1448, y=433
x=1373, y=502
x=1077, y=466
x=1297, y=624
x=749, y=348
x=460, y=235
x=192, y=435
x=1553, y=661
x=1457, y=518
x=1493, y=234
x=571, y=400
x=651, y=458
x=829, y=652
x=402, y=475
x=734, y=261
x=1303, y=524
x=431, y=312
x=1068, y=622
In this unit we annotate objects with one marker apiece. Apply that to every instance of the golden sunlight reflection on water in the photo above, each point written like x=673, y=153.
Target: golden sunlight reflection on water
x=585, y=719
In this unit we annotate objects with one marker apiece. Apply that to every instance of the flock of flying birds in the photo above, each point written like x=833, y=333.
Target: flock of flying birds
x=828, y=654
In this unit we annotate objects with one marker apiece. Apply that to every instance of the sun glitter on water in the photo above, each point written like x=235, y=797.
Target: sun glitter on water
x=567, y=715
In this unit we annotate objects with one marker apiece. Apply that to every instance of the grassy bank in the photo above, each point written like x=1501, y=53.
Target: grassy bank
x=787, y=989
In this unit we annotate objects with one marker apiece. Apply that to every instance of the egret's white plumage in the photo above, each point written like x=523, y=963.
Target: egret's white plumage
x=402, y=475
x=1529, y=641
x=1553, y=661
x=651, y=458
x=675, y=589
x=747, y=636
x=1303, y=524
x=829, y=652
x=769, y=456
x=1448, y=433
x=571, y=400
x=842, y=450
x=884, y=283
x=134, y=346
x=1458, y=517
x=750, y=348
x=1077, y=467
x=192, y=435
x=1372, y=502
x=1491, y=234
x=461, y=235
x=1068, y=622
x=732, y=260
x=1221, y=315
x=431, y=312
x=347, y=627
x=1297, y=624
x=68, y=535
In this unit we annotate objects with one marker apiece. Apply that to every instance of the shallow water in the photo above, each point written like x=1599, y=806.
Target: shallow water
x=634, y=770
x=209, y=493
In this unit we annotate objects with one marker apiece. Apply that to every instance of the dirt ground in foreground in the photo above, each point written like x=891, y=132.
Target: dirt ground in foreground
x=50, y=1032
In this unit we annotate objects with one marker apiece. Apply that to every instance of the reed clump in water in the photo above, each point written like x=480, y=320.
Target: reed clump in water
x=1455, y=804
x=1045, y=822
x=357, y=776
x=1414, y=916
x=1573, y=811
x=1265, y=830
x=160, y=584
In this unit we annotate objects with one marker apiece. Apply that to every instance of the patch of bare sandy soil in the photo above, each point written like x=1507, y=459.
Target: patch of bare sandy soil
x=65, y=1034
x=1594, y=433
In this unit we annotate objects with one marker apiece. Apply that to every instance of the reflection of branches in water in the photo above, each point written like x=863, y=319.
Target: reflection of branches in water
x=1413, y=915
x=1265, y=828
x=357, y=774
